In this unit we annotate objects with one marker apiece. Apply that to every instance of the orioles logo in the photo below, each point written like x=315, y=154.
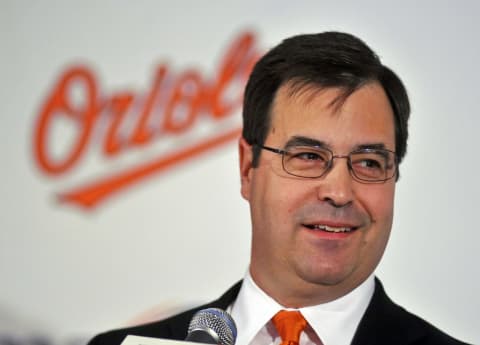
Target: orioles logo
x=182, y=114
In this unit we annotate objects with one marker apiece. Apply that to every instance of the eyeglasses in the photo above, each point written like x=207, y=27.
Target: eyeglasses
x=368, y=165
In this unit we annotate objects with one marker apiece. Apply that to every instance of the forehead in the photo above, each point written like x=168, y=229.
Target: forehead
x=363, y=117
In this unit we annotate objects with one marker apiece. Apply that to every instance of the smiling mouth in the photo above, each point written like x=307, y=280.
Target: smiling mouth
x=331, y=229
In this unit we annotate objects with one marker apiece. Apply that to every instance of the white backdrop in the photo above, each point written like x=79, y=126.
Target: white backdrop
x=182, y=236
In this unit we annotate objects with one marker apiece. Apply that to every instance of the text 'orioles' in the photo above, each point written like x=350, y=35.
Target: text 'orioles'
x=179, y=99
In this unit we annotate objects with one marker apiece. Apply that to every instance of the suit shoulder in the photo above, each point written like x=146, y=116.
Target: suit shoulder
x=398, y=325
x=430, y=335
x=174, y=327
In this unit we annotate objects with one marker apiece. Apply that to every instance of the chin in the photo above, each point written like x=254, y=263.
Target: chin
x=329, y=276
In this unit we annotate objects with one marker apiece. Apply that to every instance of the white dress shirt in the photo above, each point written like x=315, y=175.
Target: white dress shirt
x=332, y=323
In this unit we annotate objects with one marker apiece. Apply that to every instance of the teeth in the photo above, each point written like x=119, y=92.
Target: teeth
x=331, y=228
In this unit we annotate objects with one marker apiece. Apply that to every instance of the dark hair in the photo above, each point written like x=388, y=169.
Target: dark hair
x=329, y=59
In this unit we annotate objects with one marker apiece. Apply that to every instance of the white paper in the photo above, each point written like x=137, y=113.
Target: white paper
x=137, y=340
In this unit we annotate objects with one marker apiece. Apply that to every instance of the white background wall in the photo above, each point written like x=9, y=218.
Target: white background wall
x=182, y=237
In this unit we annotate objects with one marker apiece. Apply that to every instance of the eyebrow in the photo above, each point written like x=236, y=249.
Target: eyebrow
x=306, y=141
x=371, y=146
x=380, y=148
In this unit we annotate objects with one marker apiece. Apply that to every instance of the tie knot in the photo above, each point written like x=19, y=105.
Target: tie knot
x=289, y=325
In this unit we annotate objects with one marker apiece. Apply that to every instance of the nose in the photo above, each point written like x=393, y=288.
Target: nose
x=336, y=186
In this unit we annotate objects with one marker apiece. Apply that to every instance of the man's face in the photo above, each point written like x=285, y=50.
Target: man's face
x=292, y=258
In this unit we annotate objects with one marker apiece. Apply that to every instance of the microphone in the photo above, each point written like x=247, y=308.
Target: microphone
x=212, y=326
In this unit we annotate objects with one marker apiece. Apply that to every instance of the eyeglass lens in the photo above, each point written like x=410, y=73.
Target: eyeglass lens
x=367, y=165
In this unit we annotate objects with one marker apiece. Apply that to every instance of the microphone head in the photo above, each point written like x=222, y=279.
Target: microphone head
x=213, y=326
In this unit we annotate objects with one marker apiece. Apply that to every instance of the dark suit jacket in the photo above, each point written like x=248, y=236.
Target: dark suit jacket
x=384, y=323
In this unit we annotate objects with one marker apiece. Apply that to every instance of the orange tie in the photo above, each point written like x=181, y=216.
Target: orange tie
x=289, y=325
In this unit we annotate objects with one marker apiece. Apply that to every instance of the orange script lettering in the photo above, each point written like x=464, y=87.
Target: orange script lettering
x=172, y=106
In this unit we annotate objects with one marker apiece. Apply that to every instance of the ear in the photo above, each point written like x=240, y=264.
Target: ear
x=245, y=155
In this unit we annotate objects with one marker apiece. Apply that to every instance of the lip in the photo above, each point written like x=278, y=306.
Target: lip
x=330, y=230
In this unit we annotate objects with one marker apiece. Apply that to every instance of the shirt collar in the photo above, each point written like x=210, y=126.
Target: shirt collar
x=252, y=310
x=334, y=322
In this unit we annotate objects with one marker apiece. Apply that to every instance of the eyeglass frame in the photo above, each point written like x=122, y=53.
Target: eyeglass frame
x=283, y=152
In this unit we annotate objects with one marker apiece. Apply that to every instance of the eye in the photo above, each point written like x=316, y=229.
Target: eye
x=369, y=164
x=306, y=161
x=369, y=161
x=308, y=156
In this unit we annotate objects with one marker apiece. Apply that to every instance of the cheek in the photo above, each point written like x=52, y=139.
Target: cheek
x=290, y=195
x=379, y=204
x=279, y=199
x=378, y=201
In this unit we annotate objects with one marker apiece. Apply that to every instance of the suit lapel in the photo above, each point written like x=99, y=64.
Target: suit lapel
x=178, y=328
x=384, y=322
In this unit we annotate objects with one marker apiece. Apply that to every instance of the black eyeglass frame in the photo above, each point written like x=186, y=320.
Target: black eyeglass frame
x=330, y=162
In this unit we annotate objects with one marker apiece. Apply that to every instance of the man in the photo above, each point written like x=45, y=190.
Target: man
x=325, y=129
